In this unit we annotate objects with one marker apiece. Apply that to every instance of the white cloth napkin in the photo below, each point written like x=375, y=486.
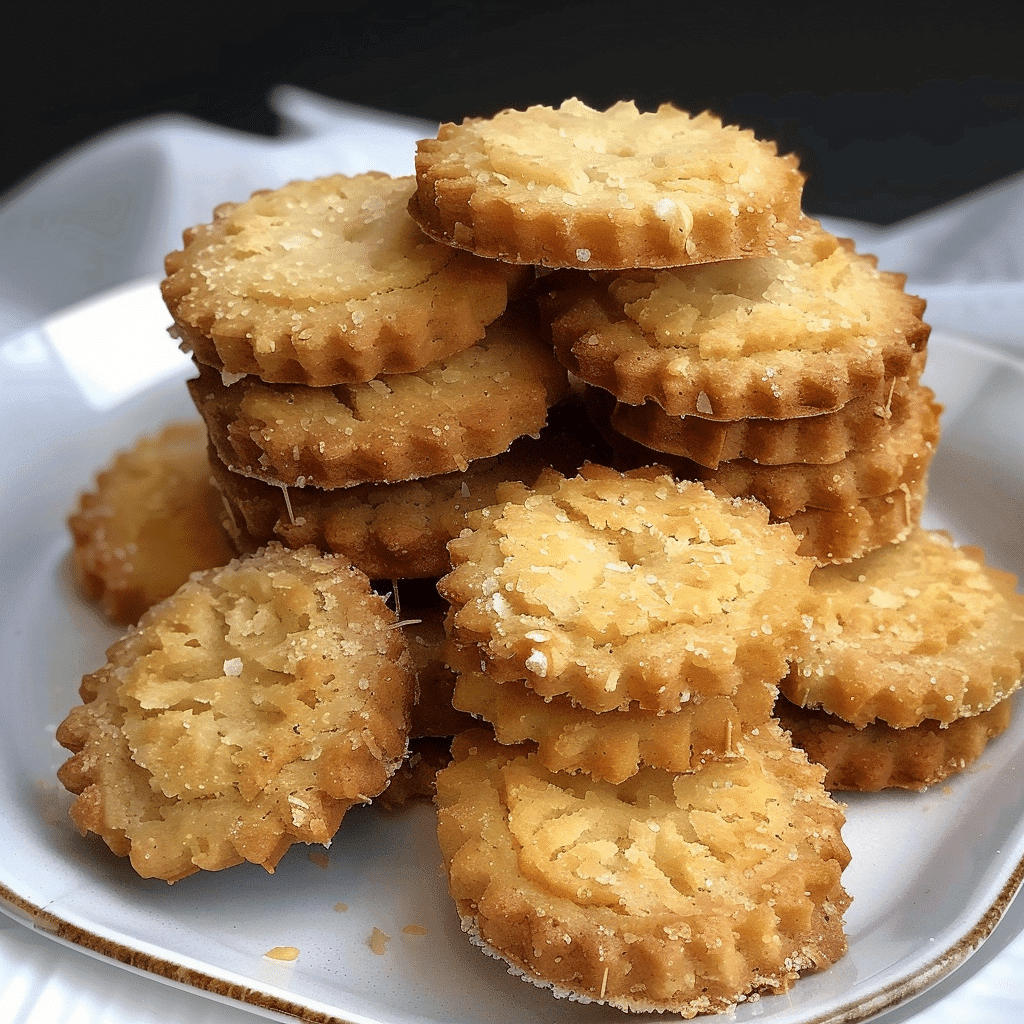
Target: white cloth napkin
x=106, y=213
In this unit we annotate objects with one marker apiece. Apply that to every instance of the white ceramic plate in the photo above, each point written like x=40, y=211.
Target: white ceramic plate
x=931, y=874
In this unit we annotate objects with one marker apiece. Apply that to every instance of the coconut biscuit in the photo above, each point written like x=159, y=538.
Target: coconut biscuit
x=685, y=893
x=327, y=282
x=799, y=333
x=151, y=520
x=878, y=757
x=576, y=187
x=612, y=745
x=247, y=712
x=398, y=427
x=619, y=588
x=915, y=631
x=389, y=531
x=819, y=440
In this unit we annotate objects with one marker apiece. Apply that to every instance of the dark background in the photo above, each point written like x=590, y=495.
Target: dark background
x=893, y=108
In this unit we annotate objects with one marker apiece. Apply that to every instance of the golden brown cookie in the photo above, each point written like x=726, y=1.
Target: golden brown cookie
x=153, y=518
x=880, y=757
x=797, y=334
x=825, y=534
x=245, y=713
x=389, y=531
x=899, y=456
x=830, y=536
x=327, y=282
x=676, y=892
x=611, y=745
x=912, y=631
x=575, y=187
x=821, y=440
x=619, y=588
x=437, y=420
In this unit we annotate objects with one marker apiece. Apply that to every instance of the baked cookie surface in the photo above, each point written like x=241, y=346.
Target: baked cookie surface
x=832, y=536
x=152, y=519
x=576, y=187
x=899, y=456
x=915, y=631
x=398, y=427
x=325, y=282
x=389, y=531
x=796, y=334
x=814, y=440
x=677, y=892
x=879, y=757
x=618, y=588
x=613, y=745
x=245, y=713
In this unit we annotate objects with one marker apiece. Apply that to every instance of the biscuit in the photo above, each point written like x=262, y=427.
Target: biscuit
x=576, y=187
x=389, y=531
x=829, y=536
x=685, y=893
x=619, y=588
x=921, y=630
x=797, y=334
x=245, y=713
x=612, y=745
x=820, y=440
x=328, y=282
x=880, y=757
x=436, y=420
x=899, y=457
x=825, y=534
x=152, y=519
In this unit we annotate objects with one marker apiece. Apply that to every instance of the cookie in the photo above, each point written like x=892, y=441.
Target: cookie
x=247, y=712
x=797, y=334
x=921, y=630
x=685, y=893
x=819, y=440
x=389, y=531
x=613, y=745
x=898, y=457
x=436, y=420
x=832, y=537
x=152, y=519
x=575, y=187
x=327, y=282
x=825, y=534
x=879, y=757
x=626, y=588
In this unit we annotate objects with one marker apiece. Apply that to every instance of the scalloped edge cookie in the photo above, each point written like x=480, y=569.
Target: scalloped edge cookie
x=327, y=282
x=686, y=893
x=797, y=334
x=436, y=420
x=571, y=186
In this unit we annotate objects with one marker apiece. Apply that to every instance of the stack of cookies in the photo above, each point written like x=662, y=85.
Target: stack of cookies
x=362, y=386
x=659, y=441
x=624, y=633
x=636, y=830
x=360, y=383
x=717, y=332
x=792, y=378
